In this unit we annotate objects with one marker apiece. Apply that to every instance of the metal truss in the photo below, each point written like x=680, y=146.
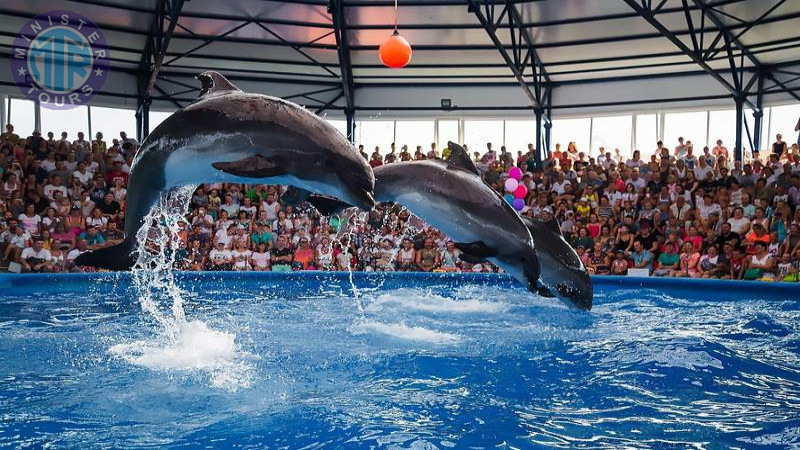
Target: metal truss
x=336, y=9
x=165, y=19
x=521, y=58
x=710, y=36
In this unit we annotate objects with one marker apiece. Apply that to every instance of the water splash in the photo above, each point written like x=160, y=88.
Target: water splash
x=181, y=344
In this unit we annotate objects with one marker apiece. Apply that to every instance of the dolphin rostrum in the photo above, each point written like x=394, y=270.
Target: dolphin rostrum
x=451, y=196
x=234, y=137
x=562, y=273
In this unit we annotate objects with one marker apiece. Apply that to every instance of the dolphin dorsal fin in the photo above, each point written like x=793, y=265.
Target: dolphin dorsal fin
x=214, y=83
x=460, y=158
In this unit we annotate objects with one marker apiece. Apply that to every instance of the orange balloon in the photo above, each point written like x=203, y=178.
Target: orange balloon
x=395, y=52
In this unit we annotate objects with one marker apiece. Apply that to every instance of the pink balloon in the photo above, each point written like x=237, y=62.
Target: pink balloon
x=518, y=204
x=515, y=173
x=511, y=184
x=521, y=191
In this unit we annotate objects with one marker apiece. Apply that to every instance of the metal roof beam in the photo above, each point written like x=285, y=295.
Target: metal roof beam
x=336, y=9
x=523, y=51
x=165, y=18
x=695, y=54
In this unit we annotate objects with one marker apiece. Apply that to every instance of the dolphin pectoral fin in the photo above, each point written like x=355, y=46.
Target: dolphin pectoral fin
x=255, y=166
x=116, y=257
x=476, y=249
x=467, y=258
x=327, y=205
x=294, y=195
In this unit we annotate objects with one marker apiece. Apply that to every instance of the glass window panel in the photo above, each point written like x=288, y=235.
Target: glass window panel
x=156, y=117
x=565, y=131
x=413, y=133
x=722, y=125
x=611, y=133
x=110, y=121
x=646, y=133
x=70, y=120
x=520, y=133
x=22, y=117
x=689, y=125
x=448, y=131
x=784, y=119
x=376, y=133
x=477, y=133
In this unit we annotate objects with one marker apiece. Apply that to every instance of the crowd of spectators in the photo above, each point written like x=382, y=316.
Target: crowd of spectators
x=679, y=212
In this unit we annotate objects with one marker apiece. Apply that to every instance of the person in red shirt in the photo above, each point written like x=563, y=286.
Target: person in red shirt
x=115, y=173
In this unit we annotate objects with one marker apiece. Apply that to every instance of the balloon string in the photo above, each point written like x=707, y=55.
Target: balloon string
x=395, y=16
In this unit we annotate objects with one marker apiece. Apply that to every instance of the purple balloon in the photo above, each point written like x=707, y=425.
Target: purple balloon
x=518, y=204
x=511, y=184
x=515, y=173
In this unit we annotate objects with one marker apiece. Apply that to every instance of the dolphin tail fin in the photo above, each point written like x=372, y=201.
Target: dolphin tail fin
x=294, y=195
x=115, y=257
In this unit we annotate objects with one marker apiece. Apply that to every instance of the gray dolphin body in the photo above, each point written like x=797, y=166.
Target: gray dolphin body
x=451, y=196
x=235, y=137
x=562, y=272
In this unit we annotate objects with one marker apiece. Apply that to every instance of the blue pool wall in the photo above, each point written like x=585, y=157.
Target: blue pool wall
x=288, y=282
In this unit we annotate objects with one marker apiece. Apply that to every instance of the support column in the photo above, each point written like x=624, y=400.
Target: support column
x=143, y=120
x=351, y=125
x=37, y=116
x=737, y=150
x=539, y=112
x=3, y=112
x=758, y=115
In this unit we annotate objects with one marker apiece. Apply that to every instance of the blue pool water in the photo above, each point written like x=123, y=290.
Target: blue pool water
x=411, y=361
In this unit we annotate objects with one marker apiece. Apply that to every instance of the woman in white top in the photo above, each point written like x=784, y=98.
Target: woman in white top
x=241, y=257
x=260, y=258
x=739, y=223
x=325, y=254
x=406, y=256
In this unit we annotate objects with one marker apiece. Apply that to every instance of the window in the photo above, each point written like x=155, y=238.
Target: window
x=413, y=133
x=70, y=120
x=784, y=119
x=448, y=131
x=690, y=125
x=722, y=125
x=612, y=133
x=565, y=131
x=646, y=133
x=22, y=117
x=376, y=133
x=110, y=121
x=520, y=133
x=156, y=117
x=340, y=125
x=478, y=132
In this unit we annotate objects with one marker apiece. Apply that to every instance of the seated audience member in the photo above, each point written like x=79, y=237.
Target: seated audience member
x=36, y=258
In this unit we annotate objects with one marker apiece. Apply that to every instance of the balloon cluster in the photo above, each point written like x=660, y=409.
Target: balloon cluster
x=516, y=190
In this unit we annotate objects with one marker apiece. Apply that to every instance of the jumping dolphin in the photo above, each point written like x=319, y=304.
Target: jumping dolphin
x=562, y=273
x=451, y=196
x=233, y=137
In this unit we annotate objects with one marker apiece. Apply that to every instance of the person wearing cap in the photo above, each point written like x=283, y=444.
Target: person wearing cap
x=620, y=265
x=220, y=258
